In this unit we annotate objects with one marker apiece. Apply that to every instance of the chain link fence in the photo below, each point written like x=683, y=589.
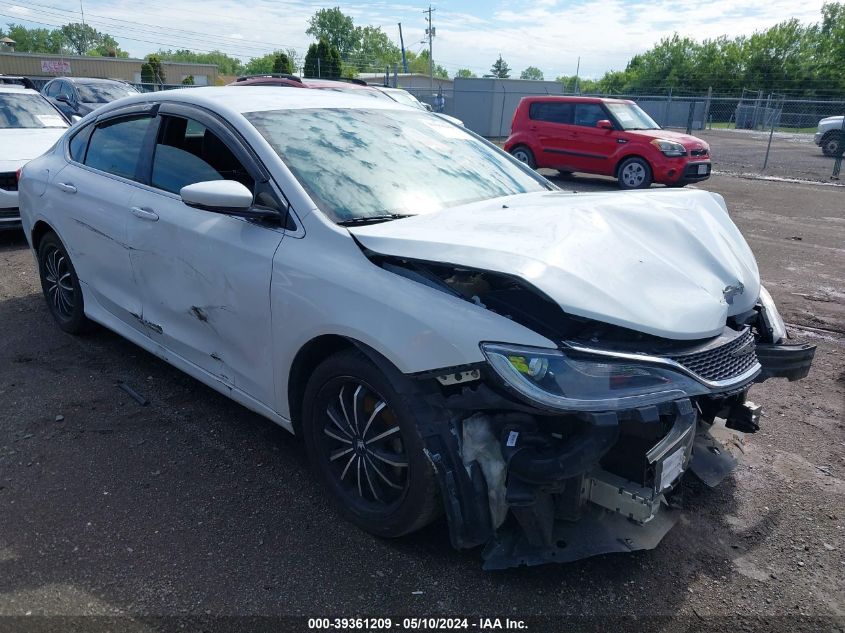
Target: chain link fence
x=755, y=133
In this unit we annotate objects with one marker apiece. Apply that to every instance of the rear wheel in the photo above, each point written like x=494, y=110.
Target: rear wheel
x=634, y=173
x=61, y=285
x=524, y=155
x=364, y=445
x=832, y=143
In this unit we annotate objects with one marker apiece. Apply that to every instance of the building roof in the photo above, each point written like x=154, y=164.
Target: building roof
x=7, y=40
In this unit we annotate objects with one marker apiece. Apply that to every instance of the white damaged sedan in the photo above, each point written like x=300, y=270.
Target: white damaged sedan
x=447, y=331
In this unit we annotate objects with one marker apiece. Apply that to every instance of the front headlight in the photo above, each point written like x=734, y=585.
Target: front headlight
x=669, y=148
x=771, y=317
x=553, y=380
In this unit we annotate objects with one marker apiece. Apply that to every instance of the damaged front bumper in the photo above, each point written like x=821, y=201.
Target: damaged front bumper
x=534, y=487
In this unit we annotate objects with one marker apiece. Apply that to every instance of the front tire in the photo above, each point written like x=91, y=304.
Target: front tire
x=524, y=155
x=61, y=285
x=832, y=144
x=365, y=447
x=634, y=173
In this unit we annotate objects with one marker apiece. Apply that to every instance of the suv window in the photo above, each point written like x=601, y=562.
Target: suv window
x=588, y=114
x=50, y=89
x=187, y=152
x=551, y=112
x=115, y=146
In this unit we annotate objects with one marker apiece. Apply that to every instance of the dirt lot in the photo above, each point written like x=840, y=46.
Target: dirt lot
x=193, y=506
x=791, y=155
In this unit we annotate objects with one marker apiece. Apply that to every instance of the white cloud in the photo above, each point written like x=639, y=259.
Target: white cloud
x=549, y=34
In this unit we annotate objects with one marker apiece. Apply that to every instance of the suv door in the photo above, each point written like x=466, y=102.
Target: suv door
x=204, y=276
x=550, y=123
x=595, y=146
x=95, y=190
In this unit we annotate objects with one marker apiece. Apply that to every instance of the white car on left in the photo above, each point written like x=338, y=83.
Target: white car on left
x=29, y=126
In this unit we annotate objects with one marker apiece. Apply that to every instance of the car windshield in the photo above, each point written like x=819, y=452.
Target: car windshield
x=28, y=111
x=632, y=117
x=405, y=98
x=360, y=164
x=103, y=92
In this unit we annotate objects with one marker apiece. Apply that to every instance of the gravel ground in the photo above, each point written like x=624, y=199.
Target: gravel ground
x=193, y=506
x=791, y=155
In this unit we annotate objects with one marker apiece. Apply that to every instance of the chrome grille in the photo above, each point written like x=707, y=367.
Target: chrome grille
x=722, y=363
x=8, y=181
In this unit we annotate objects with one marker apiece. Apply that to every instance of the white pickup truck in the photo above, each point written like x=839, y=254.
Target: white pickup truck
x=830, y=135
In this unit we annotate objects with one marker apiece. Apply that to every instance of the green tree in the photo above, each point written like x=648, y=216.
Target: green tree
x=465, y=73
x=282, y=63
x=336, y=28
x=419, y=64
x=34, y=40
x=80, y=38
x=532, y=72
x=188, y=81
x=152, y=71
x=323, y=60
x=226, y=65
x=375, y=50
x=831, y=59
x=107, y=47
x=500, y=69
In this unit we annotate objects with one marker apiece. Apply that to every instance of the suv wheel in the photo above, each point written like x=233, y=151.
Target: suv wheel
x=634, y=173
x=524, y=155
x=362, y=440
x=61, y=285
x=832, y=143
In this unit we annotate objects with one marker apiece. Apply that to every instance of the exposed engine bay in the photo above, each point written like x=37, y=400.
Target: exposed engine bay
x=534, y=482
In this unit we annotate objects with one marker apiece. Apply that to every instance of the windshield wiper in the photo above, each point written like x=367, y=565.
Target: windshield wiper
x=372, y=219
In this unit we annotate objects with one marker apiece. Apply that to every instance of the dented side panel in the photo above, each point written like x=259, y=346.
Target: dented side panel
x=92, y=224
x=205, y=282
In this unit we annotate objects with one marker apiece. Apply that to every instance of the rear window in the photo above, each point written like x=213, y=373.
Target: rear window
x=551, y=112
x=115, y=146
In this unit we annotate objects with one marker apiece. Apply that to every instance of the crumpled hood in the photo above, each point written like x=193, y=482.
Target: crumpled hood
x=22, y=145
x=659, y=262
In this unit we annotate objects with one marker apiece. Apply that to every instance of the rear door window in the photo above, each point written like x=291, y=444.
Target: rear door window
x=115, y=146
x=588, y=114
x=551, y=112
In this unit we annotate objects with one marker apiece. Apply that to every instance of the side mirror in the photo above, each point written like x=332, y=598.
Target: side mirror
x=224, y=196
x=428, y=107
x=63, y=98
x=604, y=124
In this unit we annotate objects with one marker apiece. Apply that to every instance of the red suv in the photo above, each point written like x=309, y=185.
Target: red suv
x=612, y=137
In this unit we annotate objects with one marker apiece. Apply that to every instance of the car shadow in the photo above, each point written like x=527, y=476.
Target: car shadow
x=193, y=505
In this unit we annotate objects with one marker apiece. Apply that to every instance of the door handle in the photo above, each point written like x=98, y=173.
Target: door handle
x=66, y=187
x=144, y=214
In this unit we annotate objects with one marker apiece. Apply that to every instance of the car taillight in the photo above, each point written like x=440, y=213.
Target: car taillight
x=18, y=174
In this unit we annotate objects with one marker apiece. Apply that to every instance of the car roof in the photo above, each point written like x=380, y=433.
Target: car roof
x=259, y=99
x=18, y=89
x=267, y=81
x=574, y=99
x=91, y=80
x=336, y=83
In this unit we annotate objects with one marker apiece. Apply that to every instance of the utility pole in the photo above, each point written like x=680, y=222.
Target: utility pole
x=430, y=32
x=82, y=12
x=402, y=44
x=577, y=73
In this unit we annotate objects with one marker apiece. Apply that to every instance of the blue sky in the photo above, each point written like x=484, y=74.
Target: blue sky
x=549, y=34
